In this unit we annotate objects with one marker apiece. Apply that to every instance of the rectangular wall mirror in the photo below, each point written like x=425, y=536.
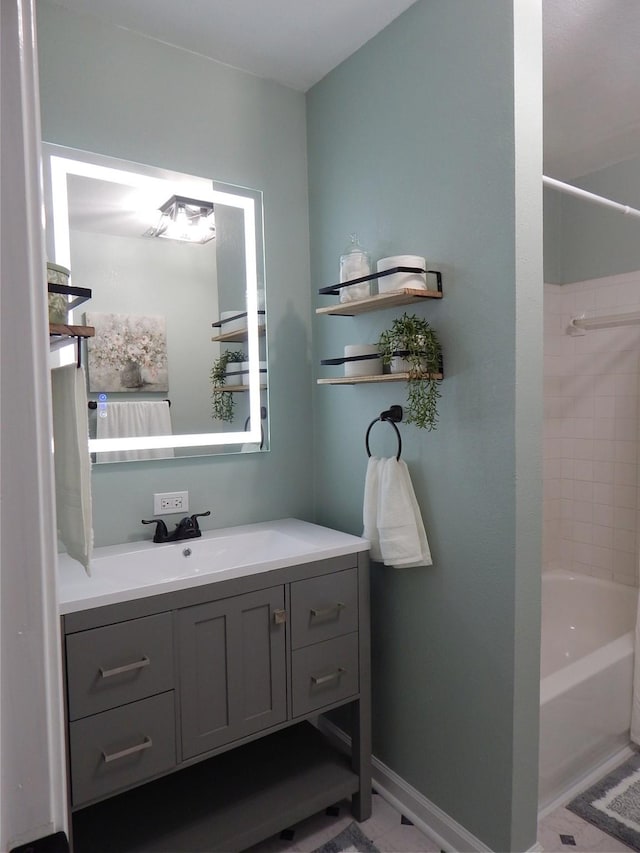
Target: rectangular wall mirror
x=175, y=353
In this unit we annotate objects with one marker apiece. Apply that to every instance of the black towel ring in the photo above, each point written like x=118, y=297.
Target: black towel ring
x=392, y=416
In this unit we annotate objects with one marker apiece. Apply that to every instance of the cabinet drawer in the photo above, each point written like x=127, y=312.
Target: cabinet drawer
x=116, y=664
x=324, y=673
x=324, y=607
x=121, y=747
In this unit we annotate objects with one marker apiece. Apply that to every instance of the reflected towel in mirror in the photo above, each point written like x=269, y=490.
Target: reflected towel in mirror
x=72, y=462
x=134, y=418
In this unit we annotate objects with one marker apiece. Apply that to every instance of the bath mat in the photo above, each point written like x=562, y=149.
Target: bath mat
x=613, y=803
x=350, y=840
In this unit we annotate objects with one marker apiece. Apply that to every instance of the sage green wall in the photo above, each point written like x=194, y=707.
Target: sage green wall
x=552, y=236
x=111, y=91
x=412, y=145
x=592, y=241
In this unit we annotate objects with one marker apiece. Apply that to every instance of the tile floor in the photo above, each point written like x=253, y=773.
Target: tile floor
x=391, y=832
x=564, y=831
x=387, y=828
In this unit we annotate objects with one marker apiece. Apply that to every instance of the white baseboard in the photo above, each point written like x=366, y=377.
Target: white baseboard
x=425, y=815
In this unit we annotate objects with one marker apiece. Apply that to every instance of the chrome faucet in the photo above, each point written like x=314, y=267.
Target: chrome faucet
x=186, y=528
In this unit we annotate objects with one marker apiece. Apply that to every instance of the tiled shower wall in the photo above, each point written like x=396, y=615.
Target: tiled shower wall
x=591, y=431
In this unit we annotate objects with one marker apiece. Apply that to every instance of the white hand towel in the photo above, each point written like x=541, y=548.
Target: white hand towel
x=123, y=419
x=370, y=506
x=72, y=462
x=403, y=540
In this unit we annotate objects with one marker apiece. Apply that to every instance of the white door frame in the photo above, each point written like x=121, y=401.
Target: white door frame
x=32, y=770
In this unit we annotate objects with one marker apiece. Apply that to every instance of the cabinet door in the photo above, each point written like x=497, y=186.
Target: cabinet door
x=232, y=665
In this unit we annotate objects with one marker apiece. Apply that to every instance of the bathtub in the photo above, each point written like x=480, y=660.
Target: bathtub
x=586, y=671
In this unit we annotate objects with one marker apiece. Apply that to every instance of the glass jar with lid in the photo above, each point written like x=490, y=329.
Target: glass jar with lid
x=354, y=263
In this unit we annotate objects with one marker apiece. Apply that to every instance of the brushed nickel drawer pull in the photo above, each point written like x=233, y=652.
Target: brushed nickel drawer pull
x=335, y=608
x=147, y=743
x=316, y=680
x=129, y=667
x=279, y=617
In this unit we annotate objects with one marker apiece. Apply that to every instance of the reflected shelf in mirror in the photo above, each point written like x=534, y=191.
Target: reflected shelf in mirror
x=237, y=336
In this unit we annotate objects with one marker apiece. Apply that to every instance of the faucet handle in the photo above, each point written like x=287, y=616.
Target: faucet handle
x=196, y=516
x=161, y=533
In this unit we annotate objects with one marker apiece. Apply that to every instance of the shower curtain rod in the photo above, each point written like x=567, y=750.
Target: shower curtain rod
x=579, y=325
x=587, y=196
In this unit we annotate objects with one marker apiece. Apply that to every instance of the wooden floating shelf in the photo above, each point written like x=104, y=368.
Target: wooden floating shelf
x=386, y=377
x=61, y=334
x=237, y=337
x=405, y=296
x=62, y=329
x=235, y=389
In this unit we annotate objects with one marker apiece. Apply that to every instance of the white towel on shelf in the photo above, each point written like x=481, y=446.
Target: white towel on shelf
x=126, y=418
x=72, y=462
x=370, y=507
x=392, y=520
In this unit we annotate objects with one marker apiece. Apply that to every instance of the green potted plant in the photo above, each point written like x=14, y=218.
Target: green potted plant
x=412, y=346
x=222, y=402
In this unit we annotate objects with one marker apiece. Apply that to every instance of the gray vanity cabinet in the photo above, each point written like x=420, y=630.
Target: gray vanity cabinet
x=190, y=714
x=232, y=668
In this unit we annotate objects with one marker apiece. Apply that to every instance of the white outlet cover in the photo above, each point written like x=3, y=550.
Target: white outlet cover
x=168, y=503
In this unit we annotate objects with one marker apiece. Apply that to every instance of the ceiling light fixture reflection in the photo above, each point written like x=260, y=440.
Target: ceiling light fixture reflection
x=186, y=219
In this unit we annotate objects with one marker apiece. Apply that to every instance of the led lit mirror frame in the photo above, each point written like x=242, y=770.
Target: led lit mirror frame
x=60, y=163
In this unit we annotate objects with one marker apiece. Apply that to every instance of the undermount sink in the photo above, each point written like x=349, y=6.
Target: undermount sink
x=123, y=572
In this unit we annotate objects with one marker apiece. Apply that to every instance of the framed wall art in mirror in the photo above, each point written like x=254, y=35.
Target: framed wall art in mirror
x=175, y=263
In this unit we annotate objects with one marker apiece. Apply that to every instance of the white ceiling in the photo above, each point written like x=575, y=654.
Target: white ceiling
x=294, y=42
x=591, y=56
x=591, y=84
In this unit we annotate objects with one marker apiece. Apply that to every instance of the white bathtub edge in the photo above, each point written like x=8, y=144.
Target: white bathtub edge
x=564, y=679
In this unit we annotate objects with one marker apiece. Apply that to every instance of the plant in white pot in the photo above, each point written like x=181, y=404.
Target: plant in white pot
x=412, y=346
x=222, y=402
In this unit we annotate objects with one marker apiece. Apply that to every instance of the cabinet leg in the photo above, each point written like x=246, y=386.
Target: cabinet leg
x=361, y=760
x=361, y=805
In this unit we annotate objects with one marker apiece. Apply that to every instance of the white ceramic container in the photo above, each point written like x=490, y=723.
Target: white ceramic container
x=245, y=372
x=234, y=374
x=229, y=325
x=399, y=365
x=417, y=281
x=58, y=302
x=364, y=367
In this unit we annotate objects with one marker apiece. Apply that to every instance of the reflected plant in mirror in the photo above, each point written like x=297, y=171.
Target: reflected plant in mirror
x=223, y=401
x=170, y=315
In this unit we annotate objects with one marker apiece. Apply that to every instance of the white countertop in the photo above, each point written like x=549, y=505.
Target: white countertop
x=140, y=569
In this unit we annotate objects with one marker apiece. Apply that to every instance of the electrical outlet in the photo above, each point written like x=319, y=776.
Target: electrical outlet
x=164, y=503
